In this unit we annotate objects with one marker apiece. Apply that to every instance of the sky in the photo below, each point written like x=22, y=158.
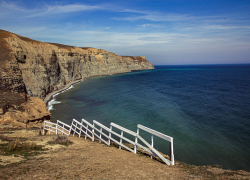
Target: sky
x=167, y=32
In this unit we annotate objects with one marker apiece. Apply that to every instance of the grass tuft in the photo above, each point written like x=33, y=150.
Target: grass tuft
x=63, y=140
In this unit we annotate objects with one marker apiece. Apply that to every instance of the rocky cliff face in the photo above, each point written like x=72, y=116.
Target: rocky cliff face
x=40, y=68
x=37, y=69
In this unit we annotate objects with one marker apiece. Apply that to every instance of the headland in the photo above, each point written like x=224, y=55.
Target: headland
x=40, y=69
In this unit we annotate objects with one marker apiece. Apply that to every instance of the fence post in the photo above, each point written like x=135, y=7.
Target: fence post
x=110, y=134
x=80, y=131
x=136, y=141
x=121, y=140
x=152, y=144
x=172, y=151
x=93, y=131
x=74, y=129
x=86, y=131
x=100, y=135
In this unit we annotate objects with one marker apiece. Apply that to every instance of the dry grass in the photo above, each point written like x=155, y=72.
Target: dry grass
x=63, y=140
x=18, y=146
x=138, y=58
x=85, y=159
x=62, y=46
x=28, y=39
x=5, y=138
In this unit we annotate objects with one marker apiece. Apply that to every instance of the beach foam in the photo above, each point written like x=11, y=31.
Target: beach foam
x=53, y=100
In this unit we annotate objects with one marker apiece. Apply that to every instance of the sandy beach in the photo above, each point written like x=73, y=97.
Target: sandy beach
x=50, y=95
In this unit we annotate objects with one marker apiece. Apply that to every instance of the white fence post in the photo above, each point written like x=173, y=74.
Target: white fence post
x=121, y=139
x=80, y=131
x=86, y=132
x=93, y=131
x=136, y=141
x=110, y=133
x=172, y=152
x=100, y=135
x=74, y=129
x=152, y=144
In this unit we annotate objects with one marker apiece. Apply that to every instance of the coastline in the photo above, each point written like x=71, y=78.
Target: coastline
x=49, y=97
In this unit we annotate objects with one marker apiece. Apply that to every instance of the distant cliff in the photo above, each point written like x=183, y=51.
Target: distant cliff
x=37, y=69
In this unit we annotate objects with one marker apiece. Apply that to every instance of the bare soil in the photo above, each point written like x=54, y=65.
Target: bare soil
x=85, y=159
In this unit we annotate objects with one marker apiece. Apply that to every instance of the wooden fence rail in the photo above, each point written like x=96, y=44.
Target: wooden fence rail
x=97, y=130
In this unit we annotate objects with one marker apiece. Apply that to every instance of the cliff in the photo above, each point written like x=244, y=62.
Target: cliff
x=38, y=69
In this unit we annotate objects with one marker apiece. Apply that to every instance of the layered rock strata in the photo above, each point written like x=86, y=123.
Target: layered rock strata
x=38, y=69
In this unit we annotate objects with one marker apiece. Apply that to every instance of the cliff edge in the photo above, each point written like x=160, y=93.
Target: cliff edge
x=37, y=69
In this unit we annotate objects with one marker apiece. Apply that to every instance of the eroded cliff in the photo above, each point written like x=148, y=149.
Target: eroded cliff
x=37, y=69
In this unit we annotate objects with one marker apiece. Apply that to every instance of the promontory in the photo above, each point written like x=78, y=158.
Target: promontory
x=30, y=70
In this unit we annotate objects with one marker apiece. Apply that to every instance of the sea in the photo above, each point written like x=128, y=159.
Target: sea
x=205, y=108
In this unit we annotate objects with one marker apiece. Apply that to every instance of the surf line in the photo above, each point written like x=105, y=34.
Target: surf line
x=51, y=97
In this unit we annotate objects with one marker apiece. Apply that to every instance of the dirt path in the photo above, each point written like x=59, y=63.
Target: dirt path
x=85, y=159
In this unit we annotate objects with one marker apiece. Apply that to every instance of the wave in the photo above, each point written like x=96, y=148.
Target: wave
x=53, y=100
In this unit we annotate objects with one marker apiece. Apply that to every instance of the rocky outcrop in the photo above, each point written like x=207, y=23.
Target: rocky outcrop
x=32, y=112
x=38, y=69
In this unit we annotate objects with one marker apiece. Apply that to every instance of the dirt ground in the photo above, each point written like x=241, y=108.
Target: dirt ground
x=85, y=159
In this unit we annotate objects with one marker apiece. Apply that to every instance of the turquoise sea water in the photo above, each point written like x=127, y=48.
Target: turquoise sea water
x=206, y=109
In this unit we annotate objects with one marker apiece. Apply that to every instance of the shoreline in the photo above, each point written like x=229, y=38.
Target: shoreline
x=49, y=97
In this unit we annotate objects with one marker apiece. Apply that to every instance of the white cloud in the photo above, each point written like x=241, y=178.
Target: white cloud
x=150, y=25
x=156, y=16
x=8, y=8
x=64, y=9
x=225, y=27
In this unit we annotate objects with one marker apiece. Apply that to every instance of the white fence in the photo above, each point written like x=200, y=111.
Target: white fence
x=56, y=127
x=104, y=134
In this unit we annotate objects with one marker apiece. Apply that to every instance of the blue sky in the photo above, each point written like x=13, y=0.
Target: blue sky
x=169, y=32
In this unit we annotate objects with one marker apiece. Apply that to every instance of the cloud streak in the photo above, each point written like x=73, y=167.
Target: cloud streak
x=65, y=9
x=7, y=8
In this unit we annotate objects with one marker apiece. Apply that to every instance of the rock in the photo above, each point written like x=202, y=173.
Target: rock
x=32, y=111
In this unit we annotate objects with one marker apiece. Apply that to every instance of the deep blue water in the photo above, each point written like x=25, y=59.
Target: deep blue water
x=205, y=108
